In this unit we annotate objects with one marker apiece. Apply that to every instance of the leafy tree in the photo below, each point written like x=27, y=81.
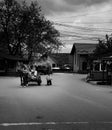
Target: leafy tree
x=104, y=46
x=8, y=23
x=25, y=30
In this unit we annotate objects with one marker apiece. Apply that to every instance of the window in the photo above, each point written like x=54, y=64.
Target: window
x=97, y=67
x=53, y=65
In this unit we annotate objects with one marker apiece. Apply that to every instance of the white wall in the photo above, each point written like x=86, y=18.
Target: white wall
x=76, y=62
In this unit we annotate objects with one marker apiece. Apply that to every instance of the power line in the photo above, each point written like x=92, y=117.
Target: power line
x=87, y=14
x=73, y=32
x=78, y=36
x=80, y=27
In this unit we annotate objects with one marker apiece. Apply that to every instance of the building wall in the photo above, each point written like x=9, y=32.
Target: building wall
x=82, y=60
x=78, y=63
x=71, y=60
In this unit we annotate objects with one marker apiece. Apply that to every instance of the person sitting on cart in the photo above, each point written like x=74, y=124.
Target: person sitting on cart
x=34, y=74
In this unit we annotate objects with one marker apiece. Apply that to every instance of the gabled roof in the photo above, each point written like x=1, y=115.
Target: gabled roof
x=53, y=59
x=12, y=57
x=83, y=48
x=60, y=58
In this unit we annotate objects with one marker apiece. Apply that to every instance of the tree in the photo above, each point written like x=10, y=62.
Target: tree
x=104, y=46
x=25, y=30
x=8, y=22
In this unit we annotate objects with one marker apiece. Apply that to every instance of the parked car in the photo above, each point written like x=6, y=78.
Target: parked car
x=65, y=67
x=43, y=69
x=56, y=68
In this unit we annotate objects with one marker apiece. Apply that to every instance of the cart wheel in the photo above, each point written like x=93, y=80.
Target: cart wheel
x=39, y=83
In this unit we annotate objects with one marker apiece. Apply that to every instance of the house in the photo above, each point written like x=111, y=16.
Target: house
x=56, y=59
x=62, y=59
x=8, y=63
x=51, y=60
x=80, y=53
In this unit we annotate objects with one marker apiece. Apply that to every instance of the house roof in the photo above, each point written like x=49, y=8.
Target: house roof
x=53, y=59
x=83, y=48
x=60, y=58
x=11, y=57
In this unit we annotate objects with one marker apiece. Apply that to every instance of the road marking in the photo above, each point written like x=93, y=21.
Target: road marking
x=50, y=123
x=41, y=123
x=97, y=89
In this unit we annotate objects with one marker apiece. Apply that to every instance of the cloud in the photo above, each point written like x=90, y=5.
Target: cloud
x=50, y=6
x=66, y=49
x=79, y=20
x=59, y=6
x=85, y=25
x=85, y=2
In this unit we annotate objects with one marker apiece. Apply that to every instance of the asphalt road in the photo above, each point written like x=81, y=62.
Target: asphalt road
x=69, y=104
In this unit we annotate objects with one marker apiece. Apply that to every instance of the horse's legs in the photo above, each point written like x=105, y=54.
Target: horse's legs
x=21, y=79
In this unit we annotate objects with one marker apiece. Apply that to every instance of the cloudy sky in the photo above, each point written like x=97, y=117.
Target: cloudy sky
x=82, y=21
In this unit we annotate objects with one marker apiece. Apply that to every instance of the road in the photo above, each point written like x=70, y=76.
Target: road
x=70, y=103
